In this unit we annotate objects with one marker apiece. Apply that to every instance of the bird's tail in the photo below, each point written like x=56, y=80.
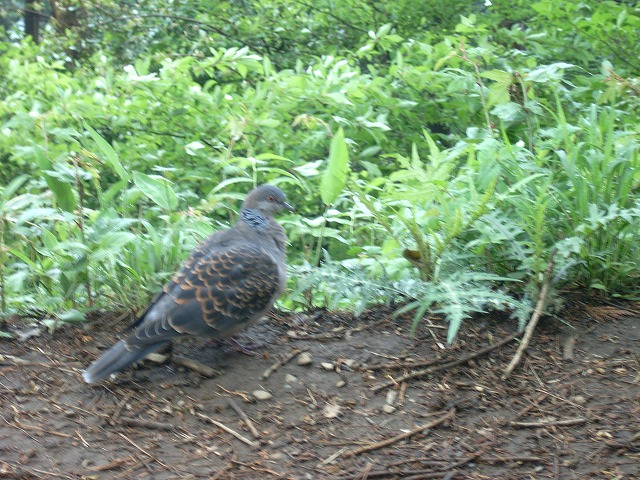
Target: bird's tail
x=116, y=359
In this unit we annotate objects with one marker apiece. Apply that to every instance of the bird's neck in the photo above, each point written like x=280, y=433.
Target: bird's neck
x=253, y=218
x=267, y=227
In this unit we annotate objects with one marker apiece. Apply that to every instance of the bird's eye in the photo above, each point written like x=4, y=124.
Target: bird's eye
x=271, y=199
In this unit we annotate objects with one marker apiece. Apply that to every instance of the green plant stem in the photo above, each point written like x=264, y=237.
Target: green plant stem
x=3, y=297
x=80, y=223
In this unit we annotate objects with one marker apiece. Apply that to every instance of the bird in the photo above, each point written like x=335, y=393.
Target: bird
x=229, y=281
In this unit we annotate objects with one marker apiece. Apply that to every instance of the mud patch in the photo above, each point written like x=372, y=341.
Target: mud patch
x=570, y=410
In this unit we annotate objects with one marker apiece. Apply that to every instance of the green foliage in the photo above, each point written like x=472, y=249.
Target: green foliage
x=435, y=159
x=335, y=176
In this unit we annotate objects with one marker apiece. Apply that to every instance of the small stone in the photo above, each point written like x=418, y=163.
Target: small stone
x=157, y=357
x=579, y=399
x=327, y=366
x=290, y=378
x=277, y=456
x=292, y=334
x=304, y=358
x=391, y=397
x=340, y=383
x=261, y=395
x=388, y=409
x=349, y=362
x=331, y=410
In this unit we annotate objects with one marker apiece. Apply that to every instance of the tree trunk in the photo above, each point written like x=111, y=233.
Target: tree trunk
x=32, y=19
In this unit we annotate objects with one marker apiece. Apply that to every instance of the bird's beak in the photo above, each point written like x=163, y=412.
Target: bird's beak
x=288, y=206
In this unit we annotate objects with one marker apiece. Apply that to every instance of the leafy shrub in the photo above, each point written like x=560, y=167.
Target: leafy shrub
x=436, y=167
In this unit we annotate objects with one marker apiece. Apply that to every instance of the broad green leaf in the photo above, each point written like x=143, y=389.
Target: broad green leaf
x=72, y=316
x=499, y=76
x=157, y=189
x=49, y=239
x=8, y=191
x=108, y=196
x=335, y=176
x=62, y=191
x=110, y=154
x=507, y=112
x=193, y=147
x=271, y=156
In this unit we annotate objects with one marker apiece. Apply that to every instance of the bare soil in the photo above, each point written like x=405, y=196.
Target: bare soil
x=570, y=410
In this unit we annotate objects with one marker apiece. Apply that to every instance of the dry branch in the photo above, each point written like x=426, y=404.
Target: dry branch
x=282, y=362
x=136, y=422
x=537, y=313
x=549, y=423
x=243, y=416
x=228, y=430
x=402, y=436
x=428, y=371
x=198, y=367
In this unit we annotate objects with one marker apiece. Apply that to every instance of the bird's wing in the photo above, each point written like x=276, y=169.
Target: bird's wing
x=217, y=291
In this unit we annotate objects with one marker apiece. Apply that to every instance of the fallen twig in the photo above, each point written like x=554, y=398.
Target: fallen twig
x=136, y=422
x=400, y=365
x=332, y=457
x=390, y=441
x=20, y=362
x=537, y=313
x=113, y=464
x=246, y=398
x=20, y=472
x=228, y=430
x=422, y=475
x=119, y=408
x=569, y=347
x=243, y=416
x=548, y=423
x=428, y=371
x=40, y=429
x=523, y=458
x=257, y=468
x=577, y=405
x=285, y=360
x=624, y=443
x=194, y=365
x=138, y=447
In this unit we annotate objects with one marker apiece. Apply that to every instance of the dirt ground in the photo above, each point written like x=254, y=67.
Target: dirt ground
x=570, y=410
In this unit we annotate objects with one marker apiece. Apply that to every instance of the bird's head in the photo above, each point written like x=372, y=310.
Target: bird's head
x=267, y=200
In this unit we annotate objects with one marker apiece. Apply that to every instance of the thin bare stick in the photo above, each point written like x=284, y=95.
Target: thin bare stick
x=136, y=422
x=569, y=348
x=574, y=404
x=548, y=423
x=40, y=429
x=191, y=364
x=537, y=313
x=402, y=436
x=282, y=362
x=446, y=366
x=143, y=450
x=228, y=430
x=243, y=416
x=119, y=408
x=113, y=464
x=332, y=457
